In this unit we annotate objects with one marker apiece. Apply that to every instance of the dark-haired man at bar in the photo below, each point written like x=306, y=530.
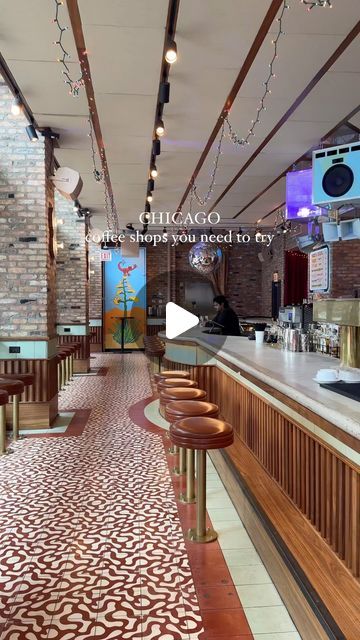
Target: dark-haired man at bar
x=226, y=318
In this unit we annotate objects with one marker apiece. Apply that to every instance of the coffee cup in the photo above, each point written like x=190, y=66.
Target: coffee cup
x=327, y=375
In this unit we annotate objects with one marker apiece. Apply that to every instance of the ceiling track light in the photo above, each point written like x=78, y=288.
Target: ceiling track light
x=165, y=231
x=151, y=185
x=160, y=128
x=17, y=106
x=171, y=52
x=164, y=92
x=156, y=147
x=31, y=131
x=149, y=197
x=147, y=207
x=153, y=170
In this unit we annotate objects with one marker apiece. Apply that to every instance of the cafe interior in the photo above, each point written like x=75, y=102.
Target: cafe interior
x=180, y=320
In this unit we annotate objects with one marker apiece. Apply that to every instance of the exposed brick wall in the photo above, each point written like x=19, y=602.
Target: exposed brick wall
x=26, y=269
x=156, y=272
x=345, y=268
x=72, y=265
x=95, y=283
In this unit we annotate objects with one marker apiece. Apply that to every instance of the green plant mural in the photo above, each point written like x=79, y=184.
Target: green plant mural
x=124, y=294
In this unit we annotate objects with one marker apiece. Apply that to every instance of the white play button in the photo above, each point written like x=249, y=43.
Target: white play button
x=178, y=320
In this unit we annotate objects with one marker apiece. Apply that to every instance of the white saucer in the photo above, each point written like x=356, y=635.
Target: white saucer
x=351, y=381
x=326, y=381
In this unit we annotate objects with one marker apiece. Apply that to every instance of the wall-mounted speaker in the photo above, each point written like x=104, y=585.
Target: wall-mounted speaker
x=336, y=175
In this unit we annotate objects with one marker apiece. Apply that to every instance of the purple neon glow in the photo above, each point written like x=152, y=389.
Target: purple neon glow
x=299, y=196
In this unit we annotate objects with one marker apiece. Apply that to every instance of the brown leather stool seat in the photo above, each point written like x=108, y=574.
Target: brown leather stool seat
x=26, y=378
x=14, y=387
x=169, y=383
x=4, y=398
x=185, y=375
x=201, y=434
x=177, y=410
x=179, y=393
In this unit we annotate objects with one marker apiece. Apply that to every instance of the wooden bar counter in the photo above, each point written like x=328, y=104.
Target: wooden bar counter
x=293, y=472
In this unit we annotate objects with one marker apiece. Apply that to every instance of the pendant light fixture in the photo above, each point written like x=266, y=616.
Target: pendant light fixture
x=156, y=147
x=31, y=131
x=160, y=128
x=149, y=197
x=153, y=170
x=164, y=92
x=171, y=52
x=151, y=185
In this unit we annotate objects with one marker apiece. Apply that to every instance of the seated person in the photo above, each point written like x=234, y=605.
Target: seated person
x=226, y=318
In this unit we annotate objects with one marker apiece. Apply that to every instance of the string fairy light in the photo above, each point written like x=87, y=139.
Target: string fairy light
x=234, y=137
x=98, y=175
x=74, y=85
x=317, y=3
x=267, y=83
x=210, y=190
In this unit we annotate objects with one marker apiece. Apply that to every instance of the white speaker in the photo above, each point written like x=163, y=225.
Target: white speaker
x=350, y=229
x=68, y=182
x=331, y=231
x=336, y=175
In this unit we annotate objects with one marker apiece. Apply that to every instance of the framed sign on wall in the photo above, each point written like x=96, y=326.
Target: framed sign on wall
x=124, y=303
x=319, y=272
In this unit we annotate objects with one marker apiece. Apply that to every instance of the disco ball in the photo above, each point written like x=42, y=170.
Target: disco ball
x=205, y=257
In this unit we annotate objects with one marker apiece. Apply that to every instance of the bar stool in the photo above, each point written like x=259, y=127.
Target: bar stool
x=14, y=388
x=178, y=410
x=28, y=380
x=4, y=397
x=62, y=353
x=58, y=368
x=201, y=434
x=179, y=393
x=185, y=375
x=171, y=383
x=154, y=348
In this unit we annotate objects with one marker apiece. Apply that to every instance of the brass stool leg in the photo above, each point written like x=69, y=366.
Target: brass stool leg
x=62, y=374
x=2, y=429
x=67, y=375
x=71, y=366
x=181, y=469
x=189, y=495
x=174, y=450
x=59, y=376
x=200, y=533
x=15, y=417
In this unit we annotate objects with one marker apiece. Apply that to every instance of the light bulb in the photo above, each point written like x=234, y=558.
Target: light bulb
x=149, y=197
x=59, y=221
x=154, y=171
x=17, y=106
x=160, y=128
x=171, y=52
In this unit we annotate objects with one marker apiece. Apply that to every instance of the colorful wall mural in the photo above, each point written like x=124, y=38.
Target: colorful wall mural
x=124, y=289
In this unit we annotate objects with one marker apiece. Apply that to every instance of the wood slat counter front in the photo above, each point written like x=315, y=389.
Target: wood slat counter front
x=296, y=460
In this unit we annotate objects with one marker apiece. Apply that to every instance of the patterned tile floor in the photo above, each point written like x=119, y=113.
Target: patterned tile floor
x=91, y=541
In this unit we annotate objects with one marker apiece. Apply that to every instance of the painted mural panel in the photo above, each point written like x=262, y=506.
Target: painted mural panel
x=124, y=300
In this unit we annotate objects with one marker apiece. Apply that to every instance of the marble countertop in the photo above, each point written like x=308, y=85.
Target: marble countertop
x=291, y=373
